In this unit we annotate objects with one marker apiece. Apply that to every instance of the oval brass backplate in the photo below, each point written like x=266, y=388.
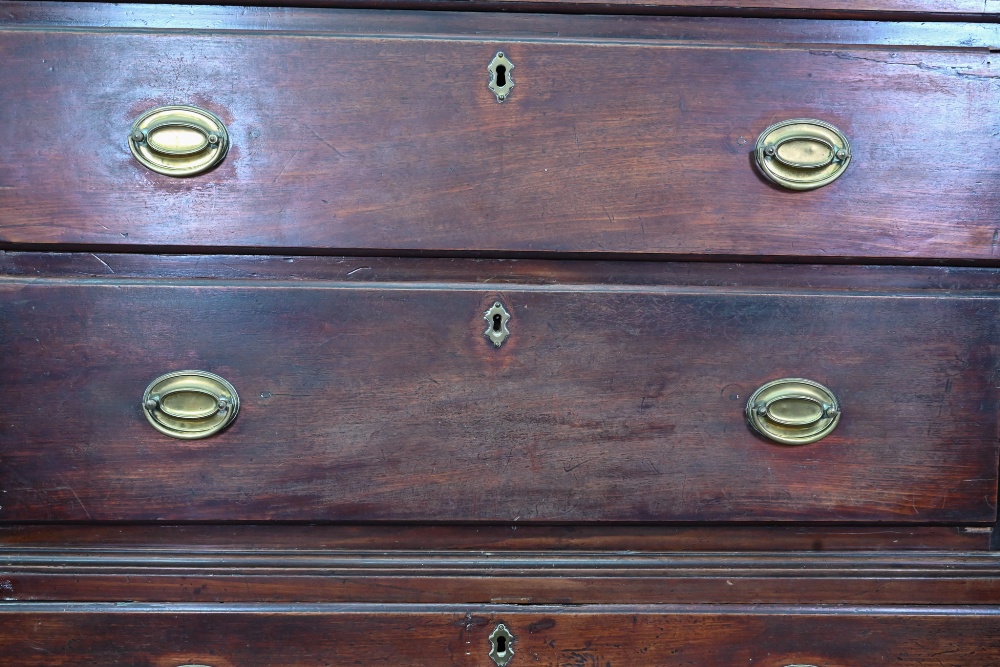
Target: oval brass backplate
x=501, y=81
x=190, y=404
x=802, y=154
x=793, y=411
x=178, y=140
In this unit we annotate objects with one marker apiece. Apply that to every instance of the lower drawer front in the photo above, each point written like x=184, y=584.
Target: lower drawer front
x=387, y=402
x=289, y=636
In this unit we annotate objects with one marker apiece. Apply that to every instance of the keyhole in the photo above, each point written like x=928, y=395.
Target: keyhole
x=501, y=76
x=497, y=322
x=501, y=646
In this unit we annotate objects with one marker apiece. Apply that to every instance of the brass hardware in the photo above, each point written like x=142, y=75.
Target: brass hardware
x=190, y=404
x=802, y=154
x=501, y=81
x=178, y=140
x=793, y=411
x=501, y=645
x=496, y=324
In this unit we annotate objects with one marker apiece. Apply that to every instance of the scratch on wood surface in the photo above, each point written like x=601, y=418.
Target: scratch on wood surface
x=948, y=70
x=103, y=262
x=572, y=467
x=73, y=491
x=325, y=142
x=284, y=167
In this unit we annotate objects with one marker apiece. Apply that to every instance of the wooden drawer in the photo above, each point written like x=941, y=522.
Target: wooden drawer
x=372, y=132
x=614, y=636
x=384, y=400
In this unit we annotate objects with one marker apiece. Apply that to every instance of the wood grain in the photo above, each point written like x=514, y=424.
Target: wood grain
x=760, y=276
x=637, y=538
x=384, y=401
x=173, y=574
x=883, y=10
x=605, y=147
x=623, y=636
x=705, y=28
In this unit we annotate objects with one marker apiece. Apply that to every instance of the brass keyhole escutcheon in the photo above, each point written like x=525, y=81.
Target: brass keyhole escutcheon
x=496, y=319
x=501, y=645
x=501, y=81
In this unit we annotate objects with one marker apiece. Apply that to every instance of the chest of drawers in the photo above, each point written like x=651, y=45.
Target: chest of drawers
x=660, y=335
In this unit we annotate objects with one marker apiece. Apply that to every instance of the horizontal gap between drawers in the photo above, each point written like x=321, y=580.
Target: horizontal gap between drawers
x=610, y=42
x=361, y=608
x=403, y=253
x=332, y=562
x=563, y=288
x=315, y=8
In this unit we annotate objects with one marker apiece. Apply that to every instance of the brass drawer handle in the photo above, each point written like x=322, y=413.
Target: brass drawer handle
x=793, y=411
x=802, y=153
x=190, y=404
x=178, y=140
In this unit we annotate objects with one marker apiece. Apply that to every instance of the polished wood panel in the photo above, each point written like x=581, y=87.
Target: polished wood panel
x=173, y=574
x=340, y=635
x=619, y=147
x=460, y=24
x=384, y=401
x=748, y=276
x=604, y=538
x=899, y=10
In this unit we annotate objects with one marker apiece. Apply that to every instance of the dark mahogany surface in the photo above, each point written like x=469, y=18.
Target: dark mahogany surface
x=395, y=487
x=622, y=636
x=701, y=29
x=368, y=138
x=173, y=574
x=753, y=276
x=636, y=538
x=384, y=401
x=939, y=10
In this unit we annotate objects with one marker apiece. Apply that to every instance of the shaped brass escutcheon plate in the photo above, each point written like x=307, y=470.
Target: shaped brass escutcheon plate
x=501, y=645
x=501, y=81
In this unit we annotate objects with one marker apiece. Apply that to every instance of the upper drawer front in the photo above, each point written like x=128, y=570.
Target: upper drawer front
x=386, y=143
x=387, y=402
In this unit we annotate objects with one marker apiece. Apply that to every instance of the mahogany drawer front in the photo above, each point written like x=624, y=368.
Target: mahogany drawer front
x=914, y=10
x=613, y=636
x=385, y=401
x=382, y=141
